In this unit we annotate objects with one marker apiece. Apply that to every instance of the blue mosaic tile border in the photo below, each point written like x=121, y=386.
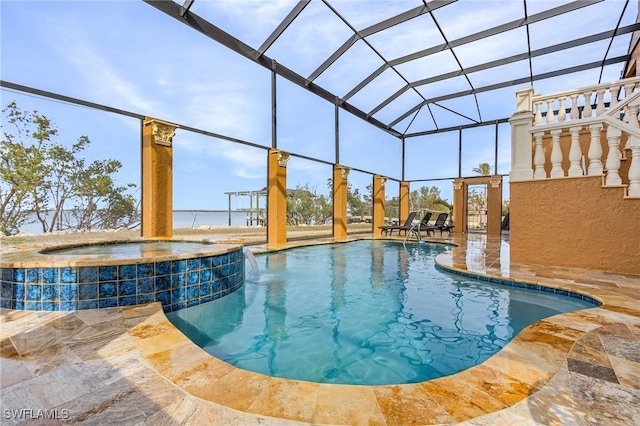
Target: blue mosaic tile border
x=177, y=284
x=518, y=284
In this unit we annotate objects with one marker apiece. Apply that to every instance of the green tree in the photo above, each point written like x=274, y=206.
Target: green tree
x=483, y=169
x=302, y=208
x=41, y=180
x=428, y=197
x=358, y=204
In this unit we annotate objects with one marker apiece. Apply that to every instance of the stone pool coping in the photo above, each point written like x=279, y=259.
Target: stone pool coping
x=34, y=258
x=525, y=366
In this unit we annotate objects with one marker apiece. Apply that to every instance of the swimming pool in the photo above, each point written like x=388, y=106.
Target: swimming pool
x=365, y=312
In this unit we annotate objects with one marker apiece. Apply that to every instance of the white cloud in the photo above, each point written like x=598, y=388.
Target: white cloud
x=245, y=162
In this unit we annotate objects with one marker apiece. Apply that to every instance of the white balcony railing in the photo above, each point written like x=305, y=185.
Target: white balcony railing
x=581, y=104
x=613, y=107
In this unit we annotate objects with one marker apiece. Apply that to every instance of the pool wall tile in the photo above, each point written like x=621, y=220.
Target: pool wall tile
x=50, y=292
x=33, y=292
x=163, y=268
x=178, y=266
x=107, y=289
x=33, y=306
x=127, y=272
x=163, y=283
x=88, y=291
x=68, y=293
x=175, y=284
x=88, y=304
x=193, y=277
x=87, y=275
x=68, y=276
x=18, y=275
x=50, y=306
x=107, y=273
x=145, y=285
x=32, y=275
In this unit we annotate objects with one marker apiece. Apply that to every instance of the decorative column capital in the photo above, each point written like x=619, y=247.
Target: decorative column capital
x=344, y=171
x=495, y=182
x=163, y=132
x=283, y=158
x=457, y=185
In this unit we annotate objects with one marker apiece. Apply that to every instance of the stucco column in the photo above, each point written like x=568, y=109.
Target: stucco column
x=494, y=206
x=403, y=210
x=378, y=201
x=157, y=178
x=340, y=183
x=459, y=206
x=277, y=196
x=521, y=149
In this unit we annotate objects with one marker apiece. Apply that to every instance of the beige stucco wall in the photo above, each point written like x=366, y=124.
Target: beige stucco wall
x=574, y=222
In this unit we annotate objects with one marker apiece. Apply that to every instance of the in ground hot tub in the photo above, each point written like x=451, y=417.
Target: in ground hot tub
x=176, y=273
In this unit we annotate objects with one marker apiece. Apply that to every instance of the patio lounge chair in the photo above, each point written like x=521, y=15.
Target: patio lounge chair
x=438, y=225
x=424, y=222
x=388, y=229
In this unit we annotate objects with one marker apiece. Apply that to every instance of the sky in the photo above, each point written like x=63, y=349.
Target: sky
x=128, y=55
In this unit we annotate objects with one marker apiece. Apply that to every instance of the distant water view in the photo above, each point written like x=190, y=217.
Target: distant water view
x=188, y=219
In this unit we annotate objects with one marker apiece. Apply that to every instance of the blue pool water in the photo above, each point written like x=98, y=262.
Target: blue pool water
x=366, y=312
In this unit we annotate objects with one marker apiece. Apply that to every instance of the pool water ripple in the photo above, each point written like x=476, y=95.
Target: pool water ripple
x=366, y=312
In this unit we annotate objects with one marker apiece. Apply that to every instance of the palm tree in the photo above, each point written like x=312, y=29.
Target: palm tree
x=483, y=169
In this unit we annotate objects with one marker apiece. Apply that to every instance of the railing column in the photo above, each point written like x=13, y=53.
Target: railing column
x=575, y=153
x=613, y=158
x=595, y=151
x=634, y=168
x=556, y=155
x=521, y=155
x=538, y=157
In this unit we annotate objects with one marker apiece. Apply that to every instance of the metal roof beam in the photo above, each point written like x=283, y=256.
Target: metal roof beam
x=504, y=84
x=455, y=128
x=291, y=16
x=380, y=26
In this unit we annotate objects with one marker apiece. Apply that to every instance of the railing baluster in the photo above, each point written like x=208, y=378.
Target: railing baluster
x=633, y=115
x=538, y=158
x=556, y=155
x=613, y=158
x=634, y=168
x=575, y=112
x=588, y=111
x=628, y=89
x=600, y=99
x=562, y=109
x=550, y=117
x=595, y=151
x=575, y=153
x=615, y=91
x=537, y=119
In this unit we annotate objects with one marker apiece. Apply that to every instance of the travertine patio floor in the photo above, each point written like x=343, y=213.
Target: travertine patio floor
x=131, y=366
